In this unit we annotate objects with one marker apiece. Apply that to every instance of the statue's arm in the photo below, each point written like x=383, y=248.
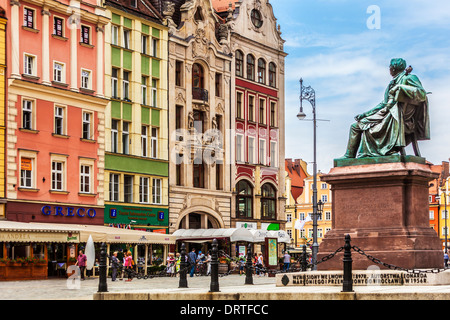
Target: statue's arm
x=370, y=112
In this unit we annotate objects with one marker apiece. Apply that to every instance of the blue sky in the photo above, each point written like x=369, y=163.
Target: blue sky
x=331, y=47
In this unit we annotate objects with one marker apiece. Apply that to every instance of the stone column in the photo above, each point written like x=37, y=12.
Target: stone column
x=100, y=61
x=73, y=54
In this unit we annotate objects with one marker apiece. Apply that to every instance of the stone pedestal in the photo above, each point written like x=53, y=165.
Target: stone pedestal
x=383, y=204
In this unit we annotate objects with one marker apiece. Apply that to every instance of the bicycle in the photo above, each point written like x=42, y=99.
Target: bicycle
x=200, y=269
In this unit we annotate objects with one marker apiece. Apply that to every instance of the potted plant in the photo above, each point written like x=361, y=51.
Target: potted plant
x=4, y=261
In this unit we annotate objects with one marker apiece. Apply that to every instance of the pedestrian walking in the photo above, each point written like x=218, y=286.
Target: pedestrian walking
x=192, y=260
x=177, y=263
x=129, y=265
x=208, y=263
x=81, y=263
x=241, y=266
x=446, y=259
x=200, y=262
x=115, y=264
x=260, y=265
x=170, y=265
x=286, y=261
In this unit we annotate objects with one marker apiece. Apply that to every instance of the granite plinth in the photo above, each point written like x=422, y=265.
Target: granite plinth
x=384, y=208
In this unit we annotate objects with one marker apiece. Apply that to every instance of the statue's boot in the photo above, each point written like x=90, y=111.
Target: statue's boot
x=354, y=140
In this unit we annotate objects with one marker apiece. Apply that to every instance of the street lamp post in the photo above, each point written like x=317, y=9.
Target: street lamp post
x=308, y=93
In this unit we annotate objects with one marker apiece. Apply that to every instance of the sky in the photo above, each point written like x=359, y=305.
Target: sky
x=342, y=49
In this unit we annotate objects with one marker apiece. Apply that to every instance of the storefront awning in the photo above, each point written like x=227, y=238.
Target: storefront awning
x=281, y=235
x=13, y=231
x=117, y=235
x=235, y=234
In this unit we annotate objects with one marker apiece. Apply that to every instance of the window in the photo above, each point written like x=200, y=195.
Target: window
x=143, y=190
x=445, y=231
x=59, y=120
x=154, y=144
x=261, y=71
x=126, y=38
x=126, y=85
x=87, y=126
x=114, y=187
x=127, y=188
x=239, y=148
x=85, y=179
x=199, y=121
x=324, y=186
x=27, y=114
x=251, y=108
x=244, y=199
x=262, y=111
x=324, y=198
x=179, y=117
x=251, y=149
x=239, y=63
x=328, y=215
x=273, y=118
x=199, y=175
x=133, y=3
x=262, y=151
x=26, y=172
x=57, y=175
x=125, y=137
x=85, y=35
x=114, y=83
x=239, y=105
x=154, y=93
x=144, y=141
x=114, y=35
x=272, y=75
x=301, y=216
x=256, y=18
x=85, y=79
x=179, y=174
x=219, y=175
x=288, y=217
x=218, y=84
x=250, y=67
x=29, y=65
x=58, y=27
x=58, y=72
x=156, y=191
x=197, y=76
x=144, y=44
x=114, y=135
x=178, y=73
x=273, y=154
x=444, y=214
x=155, y=43
x=268, y=202
x=28, y=19
x=144, y=81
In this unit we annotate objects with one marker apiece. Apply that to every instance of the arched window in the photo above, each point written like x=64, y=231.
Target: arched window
x=244, y=200
x=272, y=75
x=250, y=67
x=197, y=76
x=239, y=63
x=261, y=71
x=268, y=202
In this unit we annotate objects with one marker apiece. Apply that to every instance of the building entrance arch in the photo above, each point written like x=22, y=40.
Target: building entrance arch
x=199, y=218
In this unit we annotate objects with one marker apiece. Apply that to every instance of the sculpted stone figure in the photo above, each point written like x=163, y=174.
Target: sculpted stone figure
x=400, y=119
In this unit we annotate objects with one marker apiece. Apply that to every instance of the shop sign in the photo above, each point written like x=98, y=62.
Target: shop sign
x=139, y=216
x=68, y=212
x=246, y=225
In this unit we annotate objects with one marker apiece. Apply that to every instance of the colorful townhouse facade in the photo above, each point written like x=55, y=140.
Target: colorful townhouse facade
x=305, y=209
x=55, y=112
x=257, y=108
x=296, y=173
x=136, y=143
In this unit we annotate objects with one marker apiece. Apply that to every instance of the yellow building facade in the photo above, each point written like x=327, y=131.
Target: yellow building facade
x=304, y=209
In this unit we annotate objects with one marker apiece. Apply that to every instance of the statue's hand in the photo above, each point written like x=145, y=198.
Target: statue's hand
x=394, y=90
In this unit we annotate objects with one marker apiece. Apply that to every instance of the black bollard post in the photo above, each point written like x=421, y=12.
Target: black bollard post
x=183, y=268
x=347, y=284
x=214, y=287
x=102, y=286
x=249, y=266
x=304, y=262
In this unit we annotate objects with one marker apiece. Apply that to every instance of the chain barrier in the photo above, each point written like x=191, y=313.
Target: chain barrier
x=394, y=267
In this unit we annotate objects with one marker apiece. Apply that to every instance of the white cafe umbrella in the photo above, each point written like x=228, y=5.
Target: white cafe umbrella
x=90, y=253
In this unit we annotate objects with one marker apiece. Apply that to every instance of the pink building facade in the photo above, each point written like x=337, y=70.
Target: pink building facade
x=55, y=111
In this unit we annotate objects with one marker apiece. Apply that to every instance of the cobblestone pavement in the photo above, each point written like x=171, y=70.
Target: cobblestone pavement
x=60, y=288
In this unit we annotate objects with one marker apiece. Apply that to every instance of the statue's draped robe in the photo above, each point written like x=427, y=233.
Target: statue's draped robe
x=391, y=125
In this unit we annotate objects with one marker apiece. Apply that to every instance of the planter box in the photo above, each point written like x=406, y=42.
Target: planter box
x=223, y=268
x=17, y=271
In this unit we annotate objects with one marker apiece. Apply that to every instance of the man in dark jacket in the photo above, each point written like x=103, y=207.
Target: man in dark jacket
x=192, y=260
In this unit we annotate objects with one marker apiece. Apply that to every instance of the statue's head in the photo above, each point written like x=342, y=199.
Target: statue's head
x=397, y=65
